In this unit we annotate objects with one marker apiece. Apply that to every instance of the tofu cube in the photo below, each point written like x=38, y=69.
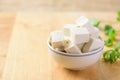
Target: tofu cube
x=93, y=44
x=60, y=49
x=67, y=29
x=95, y=33
x=80, y=46
x=72, y=48
x=57, y=39
x=67, y=40
x=85, y=23
x=80, y=35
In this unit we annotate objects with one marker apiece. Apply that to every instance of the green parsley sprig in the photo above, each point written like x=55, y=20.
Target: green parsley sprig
x=111, y=33
x=95, y=22
x=118, y=16
x=112, y=55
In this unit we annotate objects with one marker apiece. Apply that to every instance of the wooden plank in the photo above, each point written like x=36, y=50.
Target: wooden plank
x=28, y=57
x=6, y=23
x=32, y=58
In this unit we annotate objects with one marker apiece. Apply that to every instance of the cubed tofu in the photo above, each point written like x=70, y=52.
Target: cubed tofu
x=67, y=40
x=67, y=29
x=80, y=35
x=57, y=39
x=72, y=48
x=84, y=22
x=60, y=49
x=80, y=46
x=95, y=33
x=93, y=44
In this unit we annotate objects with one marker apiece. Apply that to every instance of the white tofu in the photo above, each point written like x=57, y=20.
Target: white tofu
x=72, y=48
x=80, y=35
x=67, y=40
x=57, y=39
x=67, y=29
x=60, y=49
x=95, y=33
x=93, y=44
x=80, y=46
x=84, y=22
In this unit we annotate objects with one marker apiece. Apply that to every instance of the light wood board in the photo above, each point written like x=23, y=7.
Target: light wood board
x=28, y=57
x=6, y=23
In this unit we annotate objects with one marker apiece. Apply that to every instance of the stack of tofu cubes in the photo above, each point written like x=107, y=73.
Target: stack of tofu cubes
x=78, y=38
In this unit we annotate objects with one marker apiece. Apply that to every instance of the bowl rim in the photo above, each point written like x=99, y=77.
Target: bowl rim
x=75, y=55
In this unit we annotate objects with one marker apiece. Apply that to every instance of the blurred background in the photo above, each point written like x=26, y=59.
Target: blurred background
x=59, y=5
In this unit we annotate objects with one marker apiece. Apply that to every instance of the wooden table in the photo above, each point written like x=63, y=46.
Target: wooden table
x=28, y=57
x=6, y=25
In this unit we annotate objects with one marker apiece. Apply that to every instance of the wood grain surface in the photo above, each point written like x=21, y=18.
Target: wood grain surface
x=28, y=57
x=6, y=23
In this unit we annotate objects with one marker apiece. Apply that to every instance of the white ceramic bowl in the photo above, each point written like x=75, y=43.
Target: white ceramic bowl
x=75, y=61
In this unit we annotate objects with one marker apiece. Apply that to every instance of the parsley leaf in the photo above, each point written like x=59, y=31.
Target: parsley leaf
x=95, y=22
x=106, y=55
x=118, y=14
x=108, y=42
x=111, y=56
x=118, y=18
x=117, y=46
x=112, y=34
x=107, y=29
